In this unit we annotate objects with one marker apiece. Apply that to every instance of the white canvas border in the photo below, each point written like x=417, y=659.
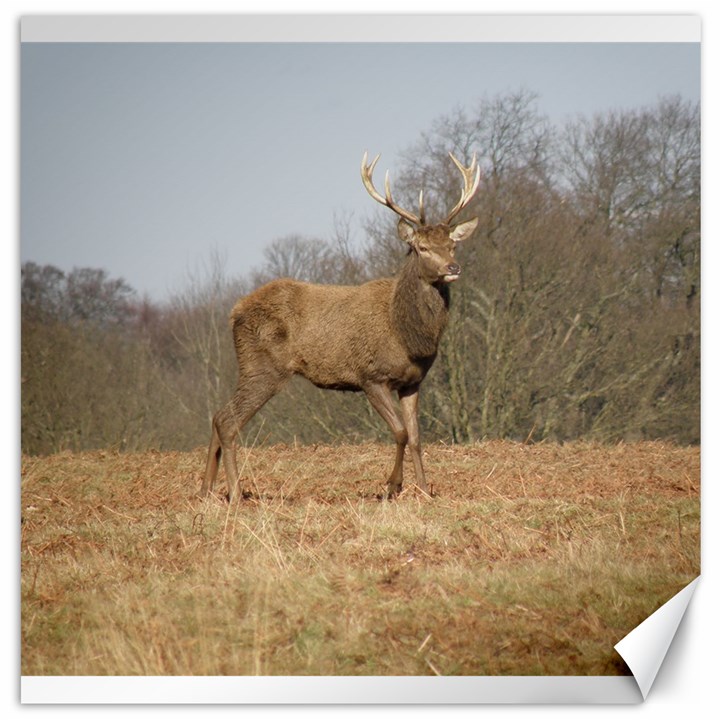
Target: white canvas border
x=314, y=690
x=361, y=28
x=346, y=28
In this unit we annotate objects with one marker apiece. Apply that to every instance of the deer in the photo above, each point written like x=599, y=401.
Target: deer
x=380, y=338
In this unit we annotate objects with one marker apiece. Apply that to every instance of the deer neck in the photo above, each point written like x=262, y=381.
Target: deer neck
x=419, y=310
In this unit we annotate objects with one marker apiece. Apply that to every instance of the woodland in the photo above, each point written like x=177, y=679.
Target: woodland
x=577, y=315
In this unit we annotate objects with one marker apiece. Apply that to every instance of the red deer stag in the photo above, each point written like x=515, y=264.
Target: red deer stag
x=380, y=337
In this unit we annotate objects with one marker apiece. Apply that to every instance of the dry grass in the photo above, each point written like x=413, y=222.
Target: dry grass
x=529, y=560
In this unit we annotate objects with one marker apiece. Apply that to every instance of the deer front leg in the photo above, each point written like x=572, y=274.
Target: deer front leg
x=381, y=399
x=409, y=407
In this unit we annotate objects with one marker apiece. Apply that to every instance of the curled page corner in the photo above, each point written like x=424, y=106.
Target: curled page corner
x=644, y=648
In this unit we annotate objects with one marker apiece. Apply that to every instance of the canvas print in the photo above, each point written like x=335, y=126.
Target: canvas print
x=289, y=408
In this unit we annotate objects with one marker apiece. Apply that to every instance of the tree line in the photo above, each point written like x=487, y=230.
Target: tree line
x=577, y=315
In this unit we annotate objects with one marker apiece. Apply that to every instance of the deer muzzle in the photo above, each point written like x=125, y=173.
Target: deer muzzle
x=452, y=272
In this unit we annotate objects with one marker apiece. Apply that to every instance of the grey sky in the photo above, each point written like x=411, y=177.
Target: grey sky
x=144, y=158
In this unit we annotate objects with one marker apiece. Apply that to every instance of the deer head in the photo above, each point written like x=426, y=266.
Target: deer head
x=434, y=245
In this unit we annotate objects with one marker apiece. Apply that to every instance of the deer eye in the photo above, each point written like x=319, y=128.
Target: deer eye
x=423, y=248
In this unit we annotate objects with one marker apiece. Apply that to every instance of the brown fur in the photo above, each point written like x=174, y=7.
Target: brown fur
x=380, y=337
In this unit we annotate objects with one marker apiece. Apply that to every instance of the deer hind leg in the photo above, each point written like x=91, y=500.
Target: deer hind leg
x=381, y=399
x=213, y=462
x=251, y=394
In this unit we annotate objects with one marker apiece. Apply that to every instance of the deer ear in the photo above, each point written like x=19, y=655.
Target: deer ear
x=462, y=231
x=406, y=231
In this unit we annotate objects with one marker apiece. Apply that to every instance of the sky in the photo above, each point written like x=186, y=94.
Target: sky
x=146, y=159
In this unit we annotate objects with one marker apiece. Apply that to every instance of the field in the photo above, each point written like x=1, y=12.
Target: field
x=529, y=559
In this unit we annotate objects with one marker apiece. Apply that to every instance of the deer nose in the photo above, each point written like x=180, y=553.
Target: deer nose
x=453, y=269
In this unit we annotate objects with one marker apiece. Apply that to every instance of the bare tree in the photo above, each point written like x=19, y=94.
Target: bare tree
x=587, y=236
x=578, y=314
x=85, y=374
x=197, y=321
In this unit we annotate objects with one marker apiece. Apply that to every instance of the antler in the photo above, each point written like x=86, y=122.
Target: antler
x=471, y=179
x=366, y=172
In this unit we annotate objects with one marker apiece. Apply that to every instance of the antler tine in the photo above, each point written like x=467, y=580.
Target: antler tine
x=388, y=194
x=366, y=172
x=471, y=180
